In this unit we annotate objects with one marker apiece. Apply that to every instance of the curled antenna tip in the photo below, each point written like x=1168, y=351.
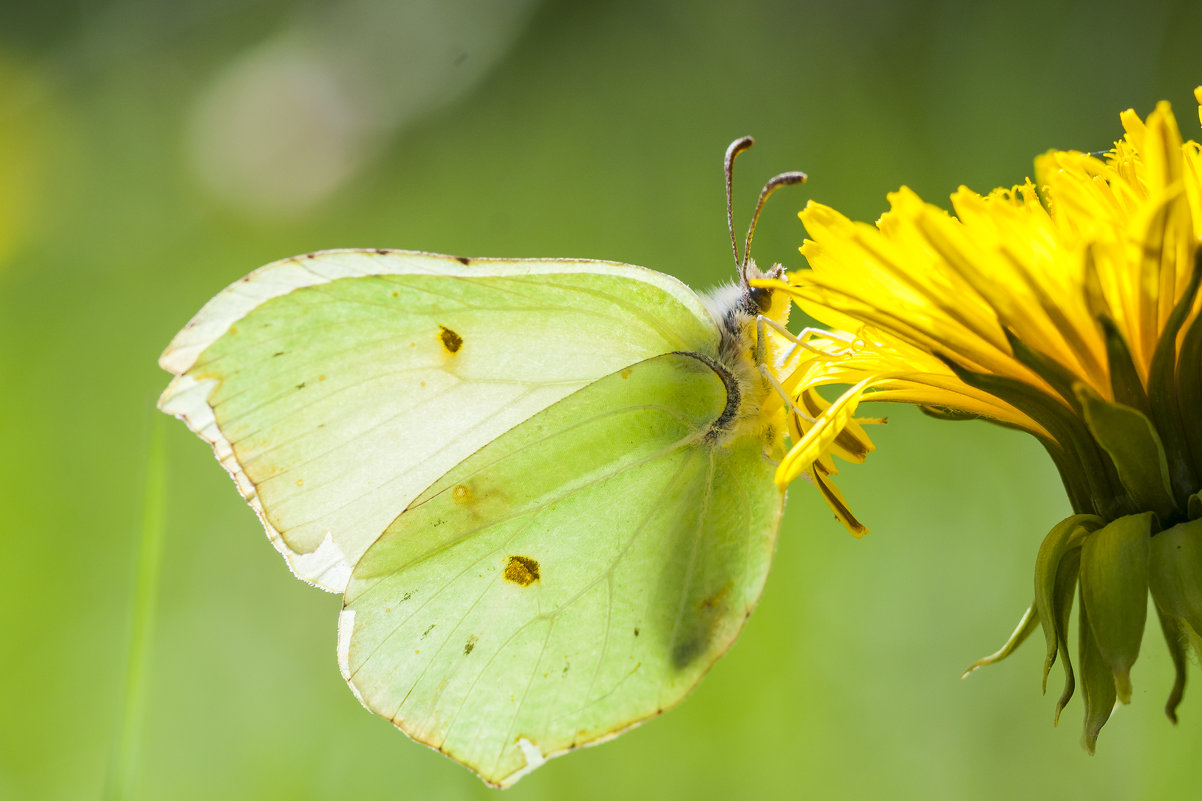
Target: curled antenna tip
x=737, y=147
x=789, y=178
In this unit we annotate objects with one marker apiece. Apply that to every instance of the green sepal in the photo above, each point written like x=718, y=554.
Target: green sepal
x=1114, y=594
x=1026, y=626
x=1134, y=447
x=1169, y=402
x=1189, y=382
x=1193, y=506
x=1066, y=586
x=1175, y=572
x=1176, y=638
x=1055, y=581
x=1125, y=383
x=1097, y=682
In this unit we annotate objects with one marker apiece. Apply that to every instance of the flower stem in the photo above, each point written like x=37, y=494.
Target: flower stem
x=124, y=763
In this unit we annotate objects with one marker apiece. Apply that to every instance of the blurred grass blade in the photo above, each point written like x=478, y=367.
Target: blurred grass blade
x=123, y=767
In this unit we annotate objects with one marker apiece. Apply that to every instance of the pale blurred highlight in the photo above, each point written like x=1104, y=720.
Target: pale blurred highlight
x=290, y=120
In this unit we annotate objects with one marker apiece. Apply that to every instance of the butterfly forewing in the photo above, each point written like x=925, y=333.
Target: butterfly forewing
x=334, y=388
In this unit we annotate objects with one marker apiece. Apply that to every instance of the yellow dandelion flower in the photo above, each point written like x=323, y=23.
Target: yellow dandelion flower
x=1069, y=308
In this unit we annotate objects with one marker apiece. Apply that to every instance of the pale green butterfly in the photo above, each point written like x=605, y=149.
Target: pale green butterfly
x=544, y=487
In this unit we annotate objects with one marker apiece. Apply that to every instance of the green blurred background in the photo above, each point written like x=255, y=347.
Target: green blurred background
x=153, y=152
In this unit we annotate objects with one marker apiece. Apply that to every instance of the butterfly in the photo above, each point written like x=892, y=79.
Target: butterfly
x=543, y=487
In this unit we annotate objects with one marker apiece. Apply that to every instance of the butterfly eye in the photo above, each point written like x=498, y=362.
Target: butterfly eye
x=761, y=296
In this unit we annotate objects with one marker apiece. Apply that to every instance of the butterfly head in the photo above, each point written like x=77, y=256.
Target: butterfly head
x=766, y=303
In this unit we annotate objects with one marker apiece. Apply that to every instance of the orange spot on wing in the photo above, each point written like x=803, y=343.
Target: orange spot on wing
x=521, y=570
x=450, y=340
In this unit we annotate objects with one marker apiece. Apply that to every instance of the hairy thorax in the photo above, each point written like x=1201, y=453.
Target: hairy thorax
x=737, y=309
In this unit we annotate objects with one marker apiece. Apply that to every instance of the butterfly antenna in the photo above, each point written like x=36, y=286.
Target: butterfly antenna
x=736, y=147
x=774, y=183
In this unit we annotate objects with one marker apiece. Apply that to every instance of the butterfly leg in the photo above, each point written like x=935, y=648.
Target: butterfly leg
x=798, y=342
x=784, y=394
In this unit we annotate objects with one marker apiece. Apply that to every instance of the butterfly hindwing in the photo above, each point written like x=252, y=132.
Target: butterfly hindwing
x=336, y=387
x=573, y=577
